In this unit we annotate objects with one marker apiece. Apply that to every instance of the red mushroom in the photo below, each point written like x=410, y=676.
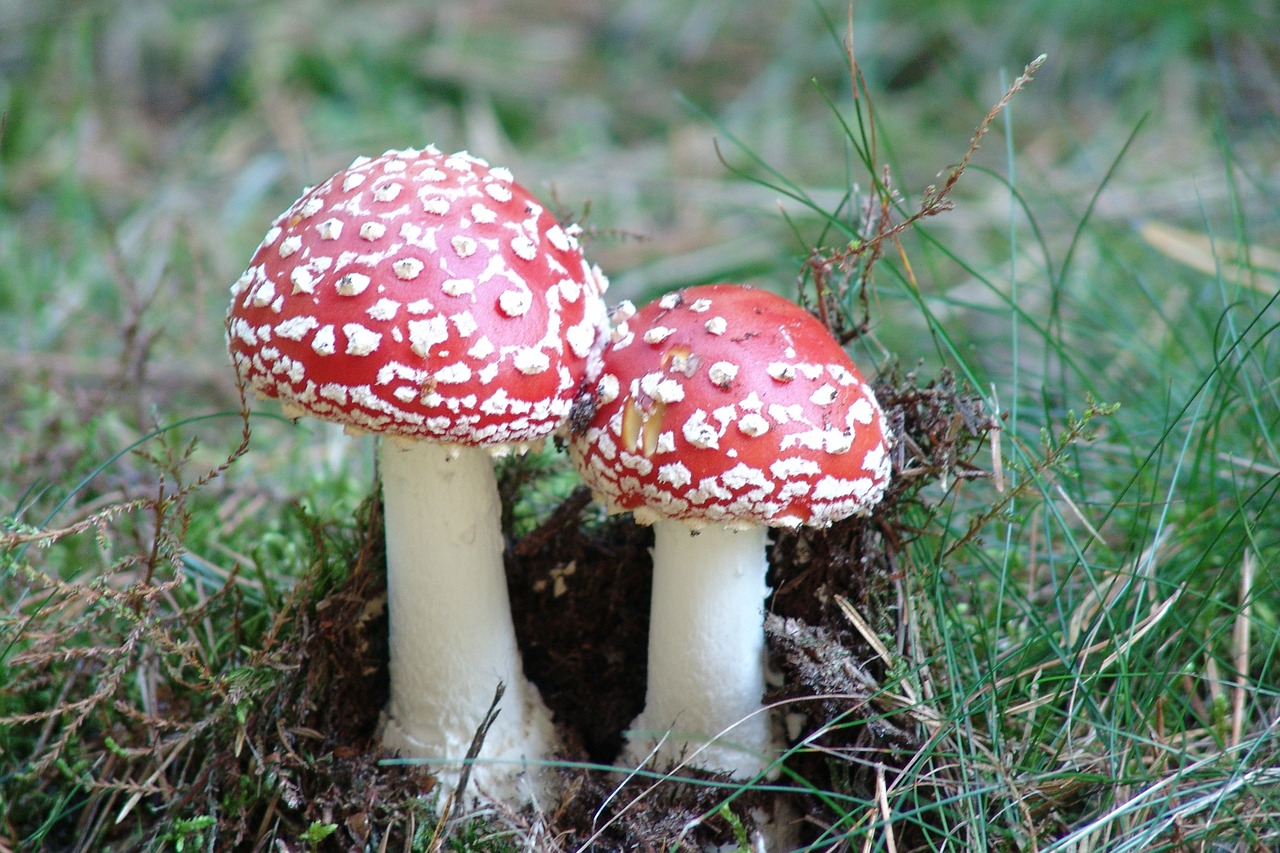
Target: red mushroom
x=432, y=300
x=722, y=411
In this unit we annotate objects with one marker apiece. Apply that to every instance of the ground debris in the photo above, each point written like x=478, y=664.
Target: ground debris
x=606, y=813
x=830, y=684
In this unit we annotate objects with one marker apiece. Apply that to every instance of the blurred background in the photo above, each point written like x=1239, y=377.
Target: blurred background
x=145, y=146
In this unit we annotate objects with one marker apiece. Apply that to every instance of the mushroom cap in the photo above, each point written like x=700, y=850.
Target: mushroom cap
x=423, y=295
x=723, y=404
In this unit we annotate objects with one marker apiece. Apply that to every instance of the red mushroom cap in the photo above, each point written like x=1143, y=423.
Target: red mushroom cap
x=728, y=405
x=423, y=295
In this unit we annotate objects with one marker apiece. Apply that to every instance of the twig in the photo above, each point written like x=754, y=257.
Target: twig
x=454, y=804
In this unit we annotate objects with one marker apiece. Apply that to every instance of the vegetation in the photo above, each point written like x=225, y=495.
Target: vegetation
x=1062, y=631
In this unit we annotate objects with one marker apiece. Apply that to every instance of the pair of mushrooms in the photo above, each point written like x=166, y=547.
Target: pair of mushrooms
x=432, y=300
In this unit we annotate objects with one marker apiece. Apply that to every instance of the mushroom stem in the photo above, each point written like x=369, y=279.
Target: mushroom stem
x=452, y=636
x=706, y=651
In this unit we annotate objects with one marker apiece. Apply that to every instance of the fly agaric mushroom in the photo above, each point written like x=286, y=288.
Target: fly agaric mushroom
x=722, y=411
x=432, y=300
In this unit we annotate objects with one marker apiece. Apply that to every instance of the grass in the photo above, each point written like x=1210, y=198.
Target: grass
x=1081, y=646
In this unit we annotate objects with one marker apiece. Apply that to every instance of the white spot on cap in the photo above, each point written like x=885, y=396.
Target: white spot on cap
x=352, y=284
x=296, y=328
x=581, y=338
x=524, y=248
x=311, y=206
x=825, y=395
x=700, y=306
x=531, y=361
x=698, y=432
x=335, y=392
x=435, y=204
x=658, y=334
x=810, y=371
x=372, y=230
x=674, y=474
x=424, y=334
x=515, y=303
x=482, y=214
x=741, y=476
x=501, y=173
x=289, y=245
x=875, y=460
x=383, y=309
x=753, y=425
x=482, y=348
x=360, y=341
x=791, y=467
x=352, y=180
x=458, y=286
x=407, y=269
x=498, y=192
x=670, y=301
x=834, y=488
x=497, y=404
x=453, y=374
x=861, y=411
x=463, y=245
x=722, y=373
x=781, y=371
x=607, y=389
x=835, y=441
x=387, y=192
x=559, y=239
x=716, y=326
x=661, y=389
x=465, y=323
x=264, y=294
x=570, y=290
x=325, y=341
x=330, y=229
x=303, y=280
x=683, y=362
x=786, y=414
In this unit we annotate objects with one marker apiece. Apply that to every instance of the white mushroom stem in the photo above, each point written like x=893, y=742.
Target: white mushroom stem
x=452, y=635
x=706, y=651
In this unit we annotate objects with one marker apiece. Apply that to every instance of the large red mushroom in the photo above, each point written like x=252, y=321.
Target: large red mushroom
x=431, y=299
x=722, y=411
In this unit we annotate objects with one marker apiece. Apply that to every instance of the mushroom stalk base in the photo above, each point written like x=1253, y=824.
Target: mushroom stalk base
x=706, y=652
x=452, y=636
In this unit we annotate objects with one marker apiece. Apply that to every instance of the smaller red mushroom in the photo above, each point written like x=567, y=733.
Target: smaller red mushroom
x=722, y=411
x=431, y=299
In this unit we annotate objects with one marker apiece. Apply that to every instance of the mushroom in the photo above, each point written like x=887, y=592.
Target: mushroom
x=432, y=300
x=722, y=411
